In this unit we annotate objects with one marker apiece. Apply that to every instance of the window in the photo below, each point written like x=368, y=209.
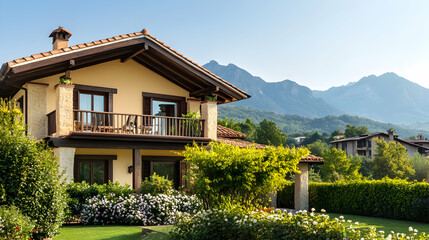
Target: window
x=163, y=105
x=361, y=152
x=171, y=168
x=92, y=102
x=94, y=168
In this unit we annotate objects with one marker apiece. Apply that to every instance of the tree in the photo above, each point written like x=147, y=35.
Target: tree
x=337, y=132
x=229, y=124
x=269, y=134
x=421, y=166
x=354, y=131
x=337, y=166
x=249, y=128
x=317, y=148
x=29, y=174
x=312, y=138
x=391, y=160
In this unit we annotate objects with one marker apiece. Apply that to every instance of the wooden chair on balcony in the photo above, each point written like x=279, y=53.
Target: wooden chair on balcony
x=146, y=126
x=130, y=125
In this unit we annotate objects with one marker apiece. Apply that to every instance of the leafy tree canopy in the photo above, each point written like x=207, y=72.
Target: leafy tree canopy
x=391, y=160
x=269, y=134
x=318, y=147
x=337, y=166
x=354, y=131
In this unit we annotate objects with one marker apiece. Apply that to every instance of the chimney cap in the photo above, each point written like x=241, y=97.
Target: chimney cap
x=60, y=30
x=145, y=31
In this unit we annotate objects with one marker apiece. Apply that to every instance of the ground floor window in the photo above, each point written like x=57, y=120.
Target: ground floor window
x=168, y=167
x=93, y=168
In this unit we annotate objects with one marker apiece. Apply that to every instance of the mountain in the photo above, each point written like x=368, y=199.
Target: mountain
x=297, y=124
x=387, y=98
x=285, y=97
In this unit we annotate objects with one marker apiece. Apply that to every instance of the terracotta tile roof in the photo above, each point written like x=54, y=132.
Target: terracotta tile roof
x=225, y=132
x=311, y=159
x=112, y=39
x=240, y=143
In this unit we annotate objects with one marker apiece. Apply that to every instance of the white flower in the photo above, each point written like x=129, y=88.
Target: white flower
x=323, y=210
x=410, y=229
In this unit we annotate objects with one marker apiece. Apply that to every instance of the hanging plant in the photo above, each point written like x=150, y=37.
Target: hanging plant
x=211, y=98
x=65, y=80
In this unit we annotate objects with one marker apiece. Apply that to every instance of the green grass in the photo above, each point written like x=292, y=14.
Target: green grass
x=100, y=233
x=384, y=224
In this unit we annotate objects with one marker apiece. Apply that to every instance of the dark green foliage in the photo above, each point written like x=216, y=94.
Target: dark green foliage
x=354, y=131
x=269, y=134
x=15, y=225
x=79, y=192
x=29, y=174
x=229, y=124
x=366, y=166
x=312, y=138
x=387, y=198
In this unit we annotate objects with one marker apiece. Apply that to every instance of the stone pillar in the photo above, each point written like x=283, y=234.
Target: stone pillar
x=66, y=161
x=209, y=114
x=37, y=109
x=301, y=187
x=193, y=105
x=64, y=109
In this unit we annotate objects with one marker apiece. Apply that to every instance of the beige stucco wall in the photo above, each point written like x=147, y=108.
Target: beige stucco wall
x=124, y=160
x=65, y=157
x=129, y=78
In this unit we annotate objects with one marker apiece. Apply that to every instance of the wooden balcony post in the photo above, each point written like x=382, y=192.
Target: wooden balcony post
x=64, y=109
x=137, y=170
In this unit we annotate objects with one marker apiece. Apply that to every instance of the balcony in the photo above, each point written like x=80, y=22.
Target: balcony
x=131, y=124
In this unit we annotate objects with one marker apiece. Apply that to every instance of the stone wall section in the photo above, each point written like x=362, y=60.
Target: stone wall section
x=37, y=110
x=64, y=109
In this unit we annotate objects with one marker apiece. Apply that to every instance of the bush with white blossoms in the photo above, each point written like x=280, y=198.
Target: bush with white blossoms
x=245, y=225
x=145, y=209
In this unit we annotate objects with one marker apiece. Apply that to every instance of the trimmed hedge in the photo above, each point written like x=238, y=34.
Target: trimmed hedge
x=387, y=198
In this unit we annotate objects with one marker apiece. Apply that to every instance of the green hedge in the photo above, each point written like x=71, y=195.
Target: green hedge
x=395, y=199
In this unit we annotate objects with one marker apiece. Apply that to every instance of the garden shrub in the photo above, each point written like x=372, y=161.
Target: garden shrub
x=228, y=174
x=30, y=174
x=387, y=198
x=79, y=192
x=238, y=224
x=15, y=225
x=145, y=209
x=156, y=184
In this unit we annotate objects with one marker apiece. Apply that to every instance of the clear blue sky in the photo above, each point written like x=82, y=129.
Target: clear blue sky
x=317, y=43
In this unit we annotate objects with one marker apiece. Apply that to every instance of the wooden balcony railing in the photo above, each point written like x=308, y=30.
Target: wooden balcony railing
x=108, y=122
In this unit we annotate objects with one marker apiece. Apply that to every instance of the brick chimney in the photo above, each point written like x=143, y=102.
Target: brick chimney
x=420, y=137
x=391, y=135
x=60, y=38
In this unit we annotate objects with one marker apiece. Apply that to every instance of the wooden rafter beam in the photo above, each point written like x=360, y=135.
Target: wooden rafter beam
x=204, y=92
x=144, y=48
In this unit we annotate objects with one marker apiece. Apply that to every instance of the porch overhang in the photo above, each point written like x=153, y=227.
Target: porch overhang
x=123, y=141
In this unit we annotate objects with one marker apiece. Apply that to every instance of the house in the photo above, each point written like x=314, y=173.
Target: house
x=121, y=119
x=364, y=145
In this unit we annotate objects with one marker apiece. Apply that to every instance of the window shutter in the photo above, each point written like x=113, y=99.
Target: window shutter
x=147, y=106
x=75, y=99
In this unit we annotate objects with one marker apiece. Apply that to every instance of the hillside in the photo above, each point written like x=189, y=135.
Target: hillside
x=285, y=97
x=386, y=98
x=296, y=124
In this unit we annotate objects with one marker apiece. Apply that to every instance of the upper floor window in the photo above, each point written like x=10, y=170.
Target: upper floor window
x=92, y=102
x=163, y=105
x=164, y=108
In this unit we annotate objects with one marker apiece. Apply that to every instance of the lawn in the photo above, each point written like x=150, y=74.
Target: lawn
x=112, y=233
x=161, y=232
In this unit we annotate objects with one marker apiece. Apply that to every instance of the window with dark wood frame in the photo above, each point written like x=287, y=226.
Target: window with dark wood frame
x=89, y=167
x=179, y=167
x=100, y=91
x=148, y=98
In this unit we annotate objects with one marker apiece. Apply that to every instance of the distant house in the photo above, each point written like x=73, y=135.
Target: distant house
x=364, y=145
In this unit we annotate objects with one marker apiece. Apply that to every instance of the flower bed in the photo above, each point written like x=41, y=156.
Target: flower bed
x=243, y=225
x=145, y=209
